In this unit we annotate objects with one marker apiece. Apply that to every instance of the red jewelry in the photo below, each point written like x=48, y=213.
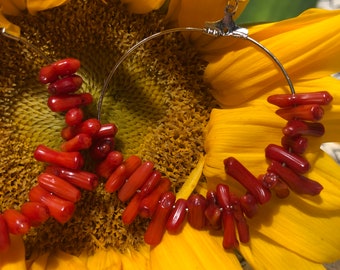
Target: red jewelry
x=147, y=192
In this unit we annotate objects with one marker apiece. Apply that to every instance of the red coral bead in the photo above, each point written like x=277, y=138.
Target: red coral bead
x=298, y=127
x=249, y=205
x=59, y=187
x=289, y=100
x=310, y=112
x=82, y=179
x=65, y=85
x=293, y=161
x=177, y=217
x=17, y=223
x=196, y=204
x=71, y=160
x=131, y=164
x=107, y=130
x=60, y=209
x=79, y=142
x=149, y=203
x=150, y=183
x=131, y=211
x=109, y=164
x=36, y=212
x=74, y=116
x=62, y=103
x=135, y=181
x=297, y=144
x=229, y=230
x=236, y=170
x=156, y=228
x=297, y=183
x=66, y=66
x=116, y=179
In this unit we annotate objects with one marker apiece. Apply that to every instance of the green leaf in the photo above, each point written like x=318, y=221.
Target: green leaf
x=261, y=11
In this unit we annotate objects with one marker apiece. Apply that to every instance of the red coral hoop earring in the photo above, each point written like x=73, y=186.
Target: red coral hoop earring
x=147, y=193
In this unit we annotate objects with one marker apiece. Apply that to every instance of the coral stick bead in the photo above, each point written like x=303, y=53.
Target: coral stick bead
x=62, y=103
x=116, y=179
x=131, y=211
x=213, y=214
x=109, y=164
x=68, y=132
x=107, y=130
x=4, y=235
x=17, y=223
x=66, y=66
x=60, y=209
x=132, y=163
x=293, y=161
x=71, y=160
x=90, y=126
x=82, y=179
x=177, y=217
x=297, y=144
x=135, y=181
x=281, y=190
x=36, y=212
x=196, y=204
x=289, y=100
x=59, y=187
x=48, y=74
x=297, y=183
x=229, y=230
x=74, y=116
x=236, y=170
x=149, y=203
x=101, y=147
x=310, y=112
x=79, y=142
x=248, y=205
x=297, y=127
x=211, y=197
x=150, y=183
x=65, y=85
x=223, y=196
x=156, y=228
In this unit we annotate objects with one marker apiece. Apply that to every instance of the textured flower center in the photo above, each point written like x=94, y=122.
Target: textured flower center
x=156, y=99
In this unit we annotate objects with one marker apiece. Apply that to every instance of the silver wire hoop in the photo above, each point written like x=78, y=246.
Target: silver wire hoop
x=223, y=28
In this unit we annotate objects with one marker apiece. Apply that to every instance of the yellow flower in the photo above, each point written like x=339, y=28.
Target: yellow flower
x=16, y=7
x=296, y=231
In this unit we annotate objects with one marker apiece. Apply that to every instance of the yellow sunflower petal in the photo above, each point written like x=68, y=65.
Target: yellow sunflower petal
x=11, y=29
x=132, y=259
x=264, y=254
x=14, y=257
x=60, y=260
x=12, y=7
x=239, y=72
x=141, y=7
x=192, y=249
x=294, y=228
x=104, y=260
x=34, y=6
x=40, y=262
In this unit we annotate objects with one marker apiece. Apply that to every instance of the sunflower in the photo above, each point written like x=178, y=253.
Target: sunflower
x=158, y=88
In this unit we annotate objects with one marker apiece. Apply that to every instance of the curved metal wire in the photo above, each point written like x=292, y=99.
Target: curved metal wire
x=220, y=28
